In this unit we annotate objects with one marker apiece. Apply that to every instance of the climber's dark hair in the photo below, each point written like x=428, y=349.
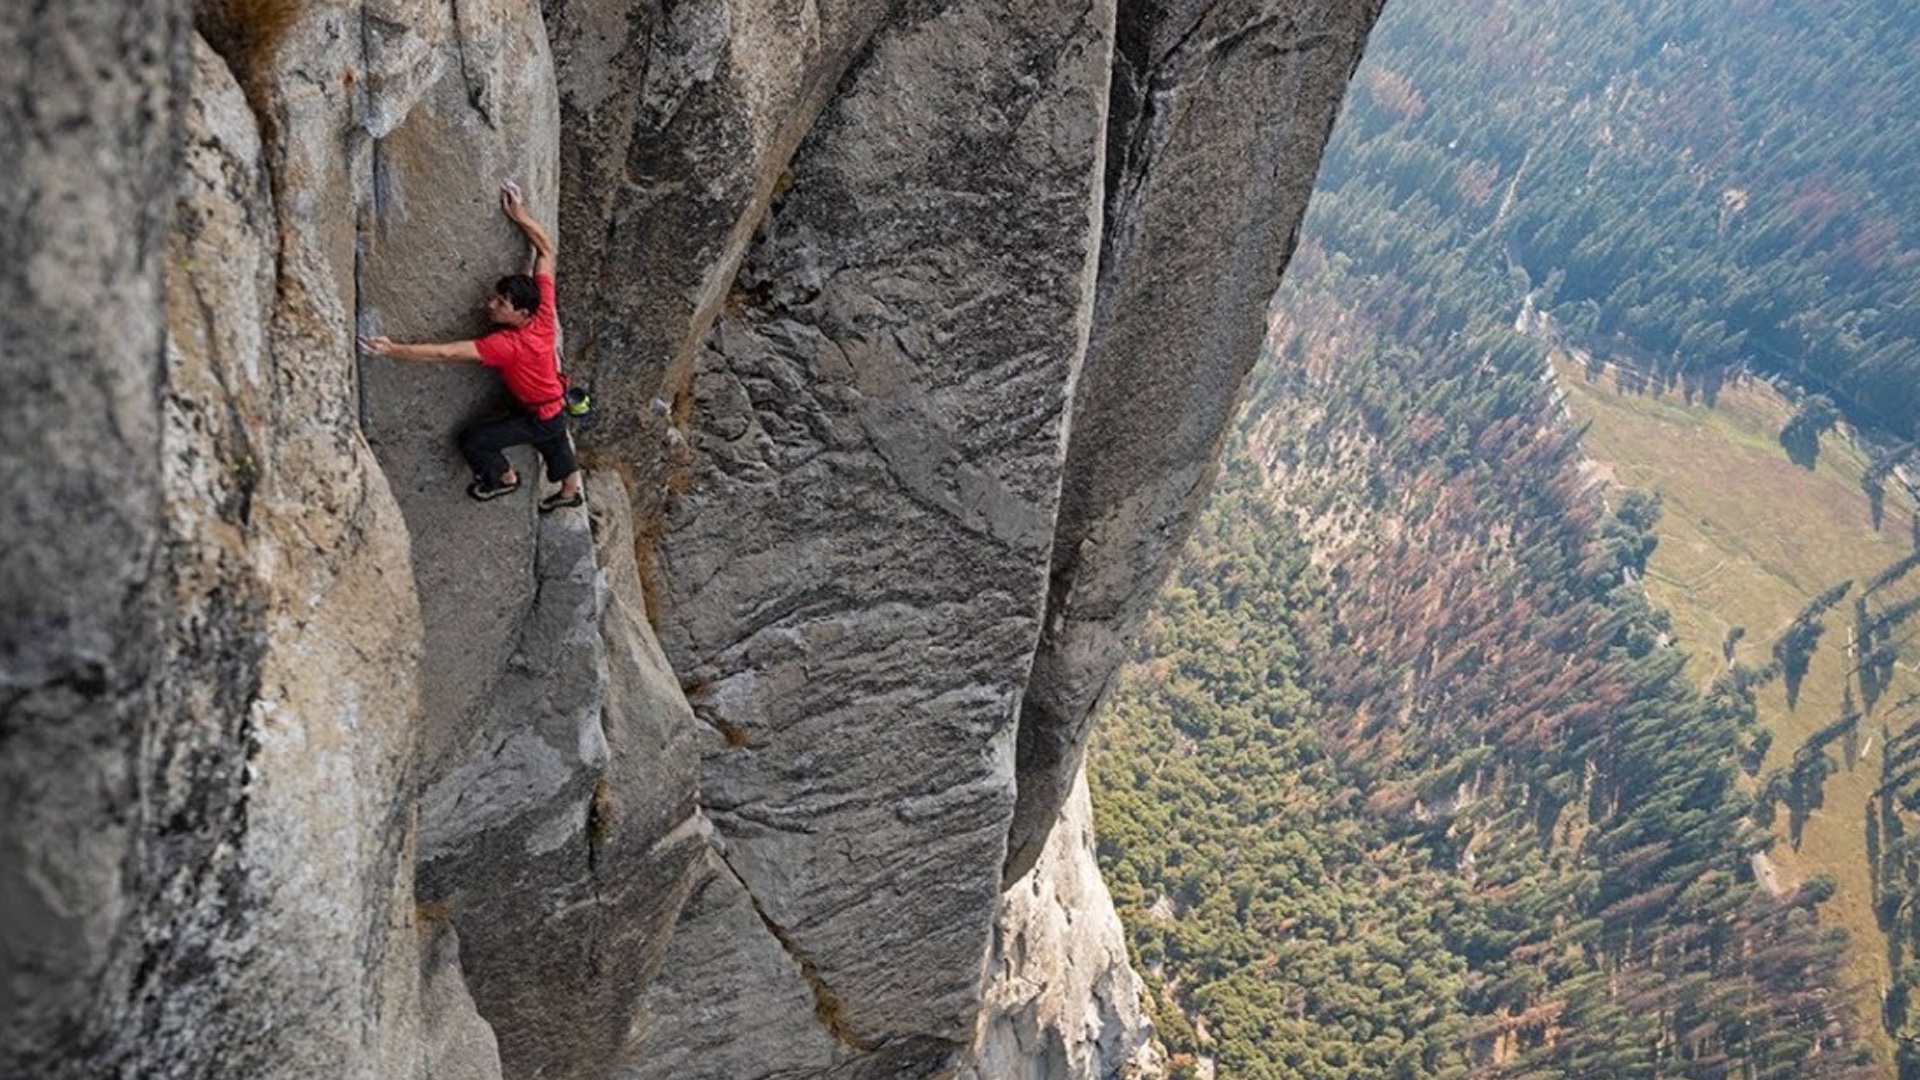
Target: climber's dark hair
x=520, y=291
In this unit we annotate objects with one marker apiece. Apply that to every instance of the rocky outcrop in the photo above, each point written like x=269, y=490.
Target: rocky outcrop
x=1062, y=1002
x=914, y=328
x=679, y=121
x=858, y=433
x=208, y=845
x=275, y=500
x=855, y=577
x=1219, y=114
x=560, y=837
x=558, y=829
x=454, y=107
x=458, y=1044
x=83, y=230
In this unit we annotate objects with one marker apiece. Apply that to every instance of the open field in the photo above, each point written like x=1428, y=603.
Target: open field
x=1747, y=538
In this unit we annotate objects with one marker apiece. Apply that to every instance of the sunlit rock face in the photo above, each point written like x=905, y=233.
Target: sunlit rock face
x=679, y=122
x=913, y=330
x=1062, y=1001
x=856, y=576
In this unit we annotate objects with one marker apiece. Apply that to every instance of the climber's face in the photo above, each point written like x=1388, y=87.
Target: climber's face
x=501, y=312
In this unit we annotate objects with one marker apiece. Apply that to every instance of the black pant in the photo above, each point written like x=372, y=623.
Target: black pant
x=483, y=442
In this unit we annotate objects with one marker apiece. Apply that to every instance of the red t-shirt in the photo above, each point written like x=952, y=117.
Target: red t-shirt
x=524, y=356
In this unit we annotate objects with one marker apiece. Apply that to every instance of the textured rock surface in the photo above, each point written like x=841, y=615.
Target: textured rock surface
x=559, y=837
x=458, y=109
x=855, y=578
x=756, y=1016
x=1062, y=1003
x=678, y=121
x=82, y=231
x=280, y=513
x=926, y=451
x=459, y=1045
x=1220, y=112
x=328, y=843
x=261, y=788
x=555, y=749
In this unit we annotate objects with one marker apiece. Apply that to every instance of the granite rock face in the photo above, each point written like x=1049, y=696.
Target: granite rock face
x=1063, y=1004
x=455, y=111
x=759, y=1015
x=297, y=692
x=234, y=890
x=1220, y=111
x=678, y=122
x=559, y=839
x=83, y=223
x=557, y=822
x=459, y=1045
x=914, y=326
x=855, y=579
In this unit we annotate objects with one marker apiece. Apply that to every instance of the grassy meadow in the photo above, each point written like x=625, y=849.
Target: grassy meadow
x=1747, y=539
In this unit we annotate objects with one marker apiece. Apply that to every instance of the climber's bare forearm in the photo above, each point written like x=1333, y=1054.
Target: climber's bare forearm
x=425, y=352
x=542, y=244
x=516, y=209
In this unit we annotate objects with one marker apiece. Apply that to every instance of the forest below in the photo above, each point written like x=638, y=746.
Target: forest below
x=1409, y=782
x=1410, y=778
x=1704, y=187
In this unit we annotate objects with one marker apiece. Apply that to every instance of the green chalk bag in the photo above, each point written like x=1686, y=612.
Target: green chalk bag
x=578, y=402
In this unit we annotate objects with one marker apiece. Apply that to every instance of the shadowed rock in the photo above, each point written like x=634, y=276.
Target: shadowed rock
x=459, y=1045
x=83, y=220
x=436, y=245
x=255, y=922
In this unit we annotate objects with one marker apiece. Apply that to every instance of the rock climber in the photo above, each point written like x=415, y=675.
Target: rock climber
x=521, y=348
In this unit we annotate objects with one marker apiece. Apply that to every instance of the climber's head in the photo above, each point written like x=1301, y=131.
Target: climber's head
x=515, y=299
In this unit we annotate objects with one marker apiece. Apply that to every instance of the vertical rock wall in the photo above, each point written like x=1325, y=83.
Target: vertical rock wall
x=82, y=243
x=559, y=839
x=233, y=894
x=1220, y=112
x=298, y=699
x=557, y=818
x=854, y=578
x=914, y=328
x=677, y=121
x=1062, y=1001
x=455, y=107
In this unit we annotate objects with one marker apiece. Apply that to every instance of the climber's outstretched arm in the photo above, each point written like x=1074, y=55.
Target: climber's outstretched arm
x=428, y=351
x=516, y=209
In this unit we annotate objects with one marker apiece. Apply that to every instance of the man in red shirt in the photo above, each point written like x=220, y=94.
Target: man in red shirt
x=521, y=348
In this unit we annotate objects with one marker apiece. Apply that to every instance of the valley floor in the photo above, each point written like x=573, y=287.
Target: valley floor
x=1747, y=540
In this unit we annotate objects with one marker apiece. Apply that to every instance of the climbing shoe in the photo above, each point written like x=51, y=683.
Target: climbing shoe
x=481, y=490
